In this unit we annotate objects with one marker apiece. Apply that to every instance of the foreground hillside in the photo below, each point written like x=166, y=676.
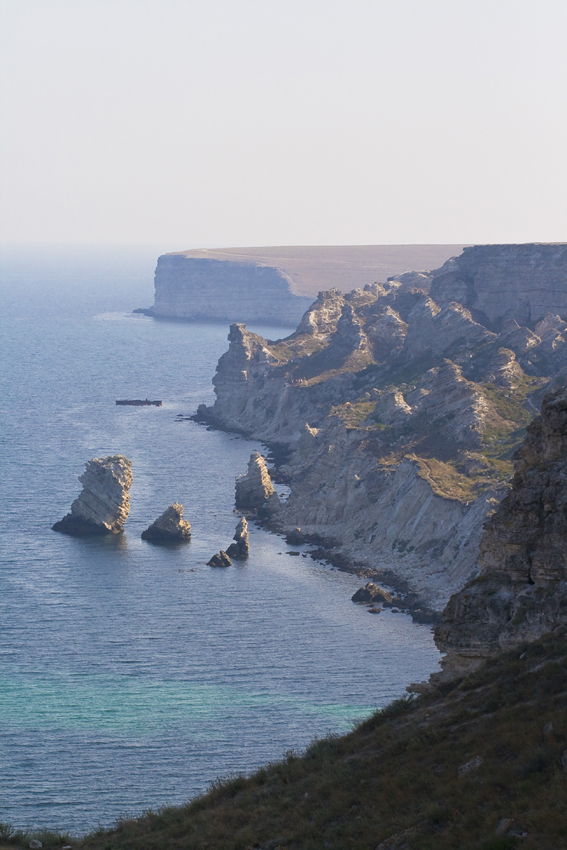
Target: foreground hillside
x=477, y=763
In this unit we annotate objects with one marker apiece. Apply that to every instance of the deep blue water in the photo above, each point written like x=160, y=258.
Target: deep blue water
x=132, y=676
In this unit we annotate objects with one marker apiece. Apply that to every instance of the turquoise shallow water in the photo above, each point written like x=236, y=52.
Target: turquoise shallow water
x=132, y=676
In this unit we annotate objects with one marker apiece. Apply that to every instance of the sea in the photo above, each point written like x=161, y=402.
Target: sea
x=133, y=676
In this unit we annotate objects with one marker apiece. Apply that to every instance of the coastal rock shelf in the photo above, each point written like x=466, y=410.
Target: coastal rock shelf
x=104, y=502
x=400, y=406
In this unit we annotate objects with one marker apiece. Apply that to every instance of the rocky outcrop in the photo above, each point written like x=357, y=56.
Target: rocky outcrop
x=401, y=405
x=240, y=549
x=254, y=489
x=170, y=527
x=521, y=592
x=104, y=502
x=221, y=559
x=371, y=593
x=523, y=282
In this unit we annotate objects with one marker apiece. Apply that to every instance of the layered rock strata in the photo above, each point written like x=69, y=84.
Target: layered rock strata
x=104, y=502
x=521, y=592
x=170, y=527
x=254, y=489
x=401, y=405
x=240, y=549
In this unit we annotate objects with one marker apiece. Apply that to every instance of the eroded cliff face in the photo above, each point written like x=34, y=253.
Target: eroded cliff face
x=402, y=407
x=221, y=290
x=521, y=592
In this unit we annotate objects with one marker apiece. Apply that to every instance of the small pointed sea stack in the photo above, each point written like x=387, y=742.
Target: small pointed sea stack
x=170, y=527
x=254, y=489
x=104, y=503
x=240, y=549
x=221, y=559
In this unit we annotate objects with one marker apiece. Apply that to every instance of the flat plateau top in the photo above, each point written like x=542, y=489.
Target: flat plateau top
x=312, y=268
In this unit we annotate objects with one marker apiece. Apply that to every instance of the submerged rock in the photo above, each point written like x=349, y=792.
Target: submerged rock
x=221, y=559
x=240, y=549
x=104, y=502
x=170, y=527
x=254, y=489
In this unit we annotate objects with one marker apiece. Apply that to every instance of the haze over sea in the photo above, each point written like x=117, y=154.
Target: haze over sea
x=132, y=675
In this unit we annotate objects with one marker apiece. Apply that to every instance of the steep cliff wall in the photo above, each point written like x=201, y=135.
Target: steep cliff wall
x=192, y=288
x=522, y=282
x=402, y=414
x=521, y=592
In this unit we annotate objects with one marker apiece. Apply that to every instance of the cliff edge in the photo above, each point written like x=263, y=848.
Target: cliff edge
x=521, y=592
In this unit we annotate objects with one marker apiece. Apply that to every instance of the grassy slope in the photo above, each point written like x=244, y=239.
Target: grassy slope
x=397, y=774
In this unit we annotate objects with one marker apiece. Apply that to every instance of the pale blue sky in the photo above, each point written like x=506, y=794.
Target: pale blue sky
x=265, y=122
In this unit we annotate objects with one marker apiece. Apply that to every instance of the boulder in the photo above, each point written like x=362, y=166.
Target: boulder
x=221, y=559
x=371, y=593
x=240, y=549
x=170, y=527
x=254, y=489
x=104, y=502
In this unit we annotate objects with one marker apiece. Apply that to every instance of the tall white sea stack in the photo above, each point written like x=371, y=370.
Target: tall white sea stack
x=104, y=502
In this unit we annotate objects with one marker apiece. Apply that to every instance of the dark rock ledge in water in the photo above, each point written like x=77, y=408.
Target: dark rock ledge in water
x=170, y=527
x=104, y=502
x=221, y=559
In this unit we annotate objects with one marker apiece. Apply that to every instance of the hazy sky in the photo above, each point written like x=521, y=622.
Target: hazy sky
x=272, y=122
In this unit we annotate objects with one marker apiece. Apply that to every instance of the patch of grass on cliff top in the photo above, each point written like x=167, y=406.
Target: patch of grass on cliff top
x=400, y=773
x=445, y=480
x=300, y=346
x=353, y=413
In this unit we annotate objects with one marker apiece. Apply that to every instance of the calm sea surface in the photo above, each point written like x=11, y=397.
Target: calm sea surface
x=132, y=676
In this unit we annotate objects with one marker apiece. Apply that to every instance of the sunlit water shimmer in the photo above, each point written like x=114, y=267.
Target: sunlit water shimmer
x=134, y=675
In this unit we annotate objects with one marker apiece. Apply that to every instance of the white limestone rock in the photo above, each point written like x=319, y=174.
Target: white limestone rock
x=104, y=502
x=254, y=489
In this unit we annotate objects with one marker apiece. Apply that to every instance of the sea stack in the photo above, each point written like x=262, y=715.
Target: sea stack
x=170, y=527
x=104, y=502
x=521, y=592
x=240, y=549
x=254, y=489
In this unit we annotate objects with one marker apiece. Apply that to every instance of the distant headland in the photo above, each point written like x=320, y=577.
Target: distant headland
x=275, y=285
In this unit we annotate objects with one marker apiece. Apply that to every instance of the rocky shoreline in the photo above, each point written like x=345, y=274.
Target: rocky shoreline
x=393, y=412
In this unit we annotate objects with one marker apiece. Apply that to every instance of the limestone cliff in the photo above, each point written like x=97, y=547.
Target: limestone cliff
x=521, y=592
x=104, y=502
x=224, y=290
x=402, y=406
